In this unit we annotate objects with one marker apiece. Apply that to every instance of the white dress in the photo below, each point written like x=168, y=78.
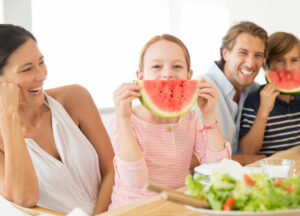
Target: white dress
x=75, y=180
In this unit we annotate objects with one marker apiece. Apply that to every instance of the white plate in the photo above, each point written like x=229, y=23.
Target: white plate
x=209, y=212
x=231, y=167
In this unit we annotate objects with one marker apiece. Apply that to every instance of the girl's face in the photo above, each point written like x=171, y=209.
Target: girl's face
x=164, y=60
x=289, y=62
x=26, y=68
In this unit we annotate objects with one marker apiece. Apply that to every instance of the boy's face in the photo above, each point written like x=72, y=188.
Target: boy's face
x=244, y=61
x=288, y=62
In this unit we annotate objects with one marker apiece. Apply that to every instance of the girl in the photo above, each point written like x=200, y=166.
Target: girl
x=52, y=143
x=150, y=148
x=270, y=120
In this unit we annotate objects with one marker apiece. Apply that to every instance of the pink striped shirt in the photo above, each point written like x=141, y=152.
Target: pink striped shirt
x=167, y=153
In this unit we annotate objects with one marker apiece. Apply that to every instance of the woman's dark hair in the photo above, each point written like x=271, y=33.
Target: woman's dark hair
x=11, y=38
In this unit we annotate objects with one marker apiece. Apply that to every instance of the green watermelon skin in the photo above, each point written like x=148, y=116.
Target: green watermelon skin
x=288, y=82
x=168, y=98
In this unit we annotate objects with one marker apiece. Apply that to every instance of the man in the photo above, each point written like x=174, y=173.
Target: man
x=242, y=55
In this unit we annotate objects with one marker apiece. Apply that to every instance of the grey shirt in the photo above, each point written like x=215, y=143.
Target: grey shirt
x=227, y=111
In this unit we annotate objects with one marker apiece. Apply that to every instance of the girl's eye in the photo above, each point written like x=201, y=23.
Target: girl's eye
x=156, y=66
x=279, y=60
x=242, y=53
x=177, y=66
x=42, y=62
x=26, y=70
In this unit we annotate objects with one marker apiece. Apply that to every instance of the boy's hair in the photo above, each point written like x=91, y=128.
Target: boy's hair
x=166, y=37
x=251, y=28
x=279, y=44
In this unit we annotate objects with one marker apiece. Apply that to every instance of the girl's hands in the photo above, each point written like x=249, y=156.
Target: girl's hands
x=123, y=97
x=207, y=99
x=267, y=98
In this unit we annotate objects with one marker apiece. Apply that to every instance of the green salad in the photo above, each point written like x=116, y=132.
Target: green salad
x=256, y=192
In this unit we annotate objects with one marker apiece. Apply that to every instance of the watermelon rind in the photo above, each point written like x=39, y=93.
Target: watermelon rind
x=294, y=91
x=146, y=101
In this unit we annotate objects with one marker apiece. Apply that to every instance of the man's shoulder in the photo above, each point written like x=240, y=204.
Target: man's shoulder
x=254, y=87
x=213, y=74
x=255, y=90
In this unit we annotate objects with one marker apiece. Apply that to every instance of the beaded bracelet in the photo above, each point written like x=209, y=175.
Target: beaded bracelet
x=205, y=128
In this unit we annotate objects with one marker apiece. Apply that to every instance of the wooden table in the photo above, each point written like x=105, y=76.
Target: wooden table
x=37, y=210
x=160, y=207
x=157, y=206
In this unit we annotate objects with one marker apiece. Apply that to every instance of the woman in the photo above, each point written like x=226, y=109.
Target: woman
x=270, y=120
x=54, y=149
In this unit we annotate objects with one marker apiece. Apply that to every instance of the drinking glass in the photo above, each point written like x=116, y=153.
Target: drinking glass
x=278, y=168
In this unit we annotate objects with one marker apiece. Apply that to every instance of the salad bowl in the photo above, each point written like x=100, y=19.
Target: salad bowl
x=209, y=212
x=249, y=192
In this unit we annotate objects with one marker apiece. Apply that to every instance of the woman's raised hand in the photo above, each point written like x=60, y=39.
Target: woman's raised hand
x=207, y=98
x=9, y=100
x=123, y=97
x=9, y=97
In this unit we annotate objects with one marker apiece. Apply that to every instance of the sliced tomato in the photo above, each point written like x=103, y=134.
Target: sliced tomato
x=290, y=188
x=228, y=205
x=249, y=180
x=278, y=182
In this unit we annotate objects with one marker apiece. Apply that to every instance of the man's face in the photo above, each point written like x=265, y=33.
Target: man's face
x=244, y=61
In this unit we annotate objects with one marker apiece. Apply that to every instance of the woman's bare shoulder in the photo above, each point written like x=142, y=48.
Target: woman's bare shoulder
x=74, y=98
x=69, y=94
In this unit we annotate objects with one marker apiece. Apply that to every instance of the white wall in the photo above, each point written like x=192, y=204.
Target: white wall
x=189, y=21
x=17, y=12
x=273, y=15
x=1, y=12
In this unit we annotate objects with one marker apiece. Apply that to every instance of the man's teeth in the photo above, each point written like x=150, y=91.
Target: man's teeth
x=246, y=72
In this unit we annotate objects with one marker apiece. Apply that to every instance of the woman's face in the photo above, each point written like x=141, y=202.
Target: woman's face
x=26, y=68
x=165, y=60
x=289, y=62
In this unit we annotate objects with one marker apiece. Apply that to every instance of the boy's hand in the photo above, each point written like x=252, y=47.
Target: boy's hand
x=267, y=98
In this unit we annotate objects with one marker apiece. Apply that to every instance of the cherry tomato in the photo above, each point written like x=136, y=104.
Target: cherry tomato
x=278, y=182
x=228, y=205
x=290, y=188
x=249, y=180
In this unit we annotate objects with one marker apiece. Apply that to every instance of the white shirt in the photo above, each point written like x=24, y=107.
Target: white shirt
x=227, y=111
x=75, y=180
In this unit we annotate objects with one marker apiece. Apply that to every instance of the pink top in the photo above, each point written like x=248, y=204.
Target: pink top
x=167, y=153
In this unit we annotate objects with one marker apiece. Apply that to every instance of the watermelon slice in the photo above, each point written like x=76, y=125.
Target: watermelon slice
x=168, y=98
x=288, y=82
